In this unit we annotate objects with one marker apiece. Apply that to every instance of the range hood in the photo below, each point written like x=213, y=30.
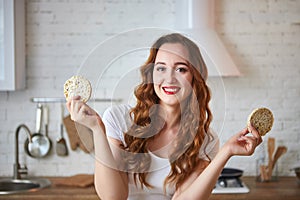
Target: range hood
x=196, y=19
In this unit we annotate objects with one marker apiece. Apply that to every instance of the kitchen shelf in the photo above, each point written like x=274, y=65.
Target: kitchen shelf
x=63, y=100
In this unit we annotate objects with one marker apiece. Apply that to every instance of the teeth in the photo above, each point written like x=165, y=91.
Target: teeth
x=171, y=89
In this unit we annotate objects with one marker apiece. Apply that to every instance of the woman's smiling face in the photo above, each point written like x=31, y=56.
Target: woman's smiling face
x=172, y=76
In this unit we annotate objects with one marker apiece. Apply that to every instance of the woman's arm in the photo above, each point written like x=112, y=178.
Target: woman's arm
x=110, y=183
x=202, y=186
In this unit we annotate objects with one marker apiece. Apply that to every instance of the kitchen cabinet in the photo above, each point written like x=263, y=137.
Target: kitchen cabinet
x=12, y=45
x=286, y=188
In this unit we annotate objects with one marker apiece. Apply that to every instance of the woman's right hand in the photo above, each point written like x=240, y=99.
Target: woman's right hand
x=83, y=114
x=243, y=144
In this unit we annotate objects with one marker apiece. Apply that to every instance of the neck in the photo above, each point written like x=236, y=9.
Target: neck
x=171, y=115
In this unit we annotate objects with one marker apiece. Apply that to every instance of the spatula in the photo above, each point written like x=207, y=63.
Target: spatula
x=279, y=152
x=271, y=148
x=61, y=146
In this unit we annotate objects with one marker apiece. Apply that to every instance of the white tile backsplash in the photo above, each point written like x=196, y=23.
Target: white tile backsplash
x=59, y=35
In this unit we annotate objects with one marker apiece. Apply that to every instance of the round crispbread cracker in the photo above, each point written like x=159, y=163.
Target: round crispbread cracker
x=262, y=119
x=78, y=85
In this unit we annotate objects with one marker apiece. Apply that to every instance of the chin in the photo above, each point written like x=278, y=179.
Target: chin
x=171, y=102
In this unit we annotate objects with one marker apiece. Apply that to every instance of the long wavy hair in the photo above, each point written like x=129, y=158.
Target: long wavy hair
x=194, y=124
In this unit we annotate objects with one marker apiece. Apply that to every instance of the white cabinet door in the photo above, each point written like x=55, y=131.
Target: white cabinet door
x=12, y=45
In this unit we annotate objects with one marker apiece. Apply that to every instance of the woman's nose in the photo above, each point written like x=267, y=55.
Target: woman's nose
x=170, y=76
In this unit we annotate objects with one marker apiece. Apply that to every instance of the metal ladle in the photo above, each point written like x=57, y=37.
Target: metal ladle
x=40, y=145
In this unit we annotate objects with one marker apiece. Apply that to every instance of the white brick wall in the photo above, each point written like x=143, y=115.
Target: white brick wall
x=59, y=34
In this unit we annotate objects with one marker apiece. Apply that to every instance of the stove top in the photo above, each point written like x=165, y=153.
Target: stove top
x=230, y=186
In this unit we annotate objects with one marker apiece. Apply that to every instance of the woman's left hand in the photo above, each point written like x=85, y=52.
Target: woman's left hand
x=244, y=142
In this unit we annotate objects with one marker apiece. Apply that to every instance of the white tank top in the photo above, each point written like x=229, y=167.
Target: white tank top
x=117, y=121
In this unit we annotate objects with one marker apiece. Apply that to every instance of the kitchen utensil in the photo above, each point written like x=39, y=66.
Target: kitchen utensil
x=79, y=135
x=40, y=145
x=263, y=173
x=271, y=148
x=297, y=172
x=46, y=123
x=279, y=152
x=230, y=173
x=61, y=146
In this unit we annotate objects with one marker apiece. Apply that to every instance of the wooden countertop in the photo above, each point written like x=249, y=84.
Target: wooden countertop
x=55, y=192
x=285, y=188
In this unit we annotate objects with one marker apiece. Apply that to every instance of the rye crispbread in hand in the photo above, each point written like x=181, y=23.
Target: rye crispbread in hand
x=78, y=85
x=262, y=119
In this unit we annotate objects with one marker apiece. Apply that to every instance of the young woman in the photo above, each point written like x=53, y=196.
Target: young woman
x=163, y=147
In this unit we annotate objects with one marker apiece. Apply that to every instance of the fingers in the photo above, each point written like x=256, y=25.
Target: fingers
x=74, y=105
x=79, y=109
x=68, y=104
x=253, y=141
x=243, y=132
x=77, y=97
x=255, y=134
x=253, y=130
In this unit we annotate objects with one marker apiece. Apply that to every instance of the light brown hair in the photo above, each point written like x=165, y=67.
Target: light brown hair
x=195, y=118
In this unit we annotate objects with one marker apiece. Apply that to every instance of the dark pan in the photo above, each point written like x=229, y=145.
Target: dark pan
x=230, y=173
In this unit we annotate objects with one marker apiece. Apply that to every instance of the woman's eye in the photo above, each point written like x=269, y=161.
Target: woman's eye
x=160, y=68
x=181, y=69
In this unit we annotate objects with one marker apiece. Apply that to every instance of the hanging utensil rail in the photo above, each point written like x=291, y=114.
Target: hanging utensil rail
x=61, y=100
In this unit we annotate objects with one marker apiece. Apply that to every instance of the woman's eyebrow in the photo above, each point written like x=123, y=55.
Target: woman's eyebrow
x=159, y=63
x=177, y=63
x=181, y=63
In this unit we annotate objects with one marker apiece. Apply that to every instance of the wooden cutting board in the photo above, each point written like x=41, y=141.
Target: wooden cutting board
x=79, y=180
x=79, y=135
